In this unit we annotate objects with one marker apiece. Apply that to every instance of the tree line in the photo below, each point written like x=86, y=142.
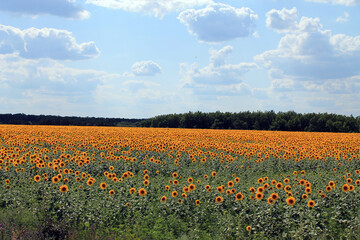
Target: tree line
x=25, y=119
x=268, y=120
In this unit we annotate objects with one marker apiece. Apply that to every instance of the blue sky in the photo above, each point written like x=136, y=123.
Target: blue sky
x=142, y=58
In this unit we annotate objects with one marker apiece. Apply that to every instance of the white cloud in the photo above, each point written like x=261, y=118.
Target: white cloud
x=338, y=2
x=48, y=75
x=345, y=18
x=312, y=59
x=62, y=8
x=284, y=20
x=45, y=86
x=219, y=22
x=217, y=78
x=157, y=8
x=33, y=43
x=146, y=68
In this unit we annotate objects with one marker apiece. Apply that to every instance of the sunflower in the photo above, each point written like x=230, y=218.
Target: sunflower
x=55, y=179
x=197, y=202
x=332, y=184
x=259, y=196
x=260, y=180
x=37, y=178
x=174, y=194
x=270, y=200
x=111, y=192
x=273, y=182
x=274, y=196
x=248, y=228
x=219, y=199
x=328, y=188
x=64, y=188
x=291, y=201
x=186, y=189
x=111, y=168
x=180, y=201
x=192, y=187
x=230, y=184
x=132, y=190
x=304, y=196
x=287, y=188
x=146, y=182
x=103, y=185
x=311, y=203
x=175, y=175
x=260, y=189
x=239, y=196
x=142, y=192
x=220, y=189
x=89, y=182
x=308, y=190
x=163, y=199
x=252, y=190
x=279, y=185
x=213, y=174
x=286, y=181
x=190, y=180
x=302, y=182
x=184, y=195
x=345, y=188
x=351, y=188
x=357, y=182
x=237, y=180
x=167, y=187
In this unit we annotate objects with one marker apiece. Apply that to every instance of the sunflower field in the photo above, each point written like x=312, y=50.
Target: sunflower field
x=145, y=183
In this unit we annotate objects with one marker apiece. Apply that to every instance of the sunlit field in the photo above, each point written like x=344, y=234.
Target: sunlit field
x=140, y=183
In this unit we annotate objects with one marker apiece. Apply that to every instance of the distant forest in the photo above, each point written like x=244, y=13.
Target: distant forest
x=268, y=120
x=24, y=119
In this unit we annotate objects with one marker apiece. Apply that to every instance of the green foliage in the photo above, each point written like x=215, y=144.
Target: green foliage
x=268, y=120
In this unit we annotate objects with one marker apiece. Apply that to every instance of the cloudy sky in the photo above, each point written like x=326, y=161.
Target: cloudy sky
x=142, y=58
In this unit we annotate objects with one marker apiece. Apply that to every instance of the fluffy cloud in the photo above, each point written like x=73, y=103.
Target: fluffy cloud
x=309, y=53
x=218, y=78
x=146, y=68
x=339, y=2
x=156, y=8
x=282, y=20
x=62, y=8
x=45, y=86
x=48, y=75
x=33, y=43
x=219, y=22
x=343, y=19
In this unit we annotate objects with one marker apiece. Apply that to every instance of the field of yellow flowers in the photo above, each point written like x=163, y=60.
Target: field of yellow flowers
x=140, y=183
